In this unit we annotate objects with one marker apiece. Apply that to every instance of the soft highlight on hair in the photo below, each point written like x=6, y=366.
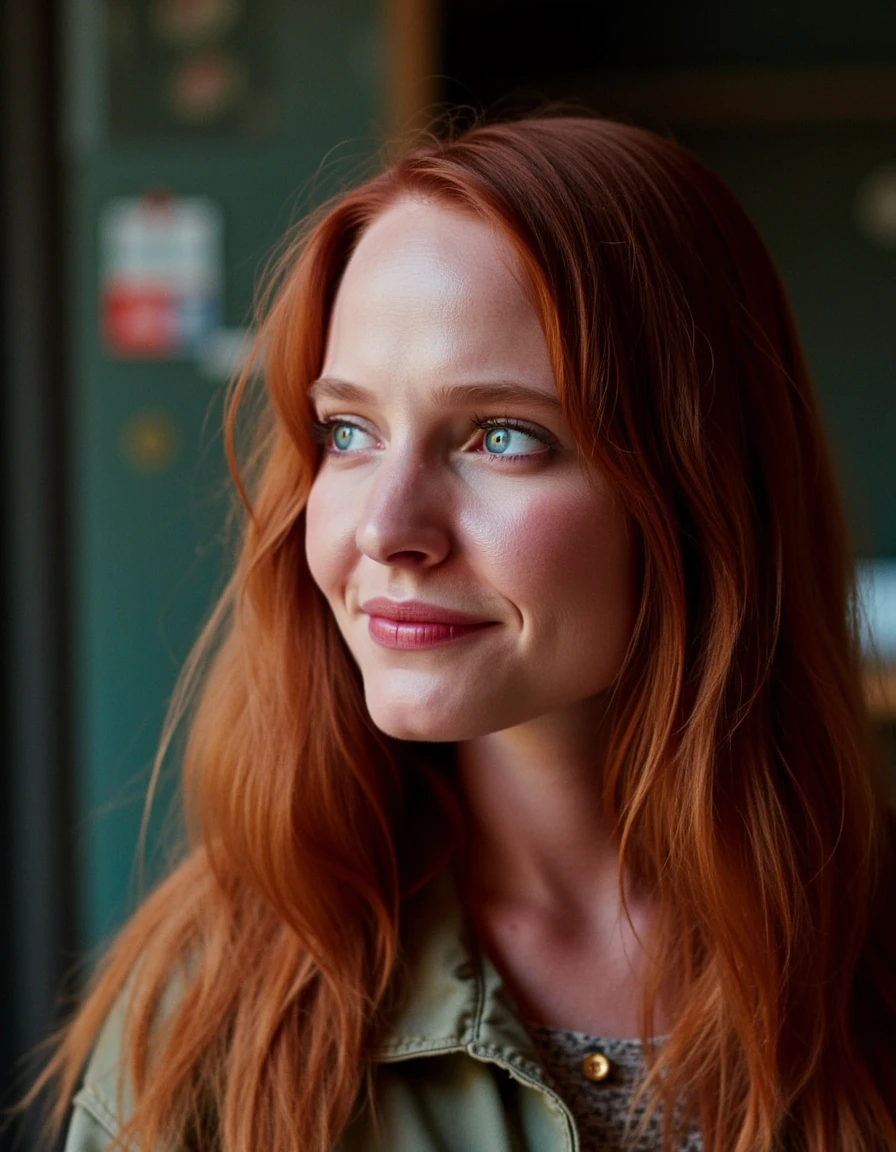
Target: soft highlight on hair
x=743, y=781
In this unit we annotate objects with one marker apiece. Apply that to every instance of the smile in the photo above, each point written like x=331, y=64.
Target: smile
x=412, y=624
x=419, y=633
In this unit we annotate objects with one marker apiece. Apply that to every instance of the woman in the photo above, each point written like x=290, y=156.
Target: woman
x=530, y=731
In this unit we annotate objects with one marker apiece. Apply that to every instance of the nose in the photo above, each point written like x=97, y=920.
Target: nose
x=405, y=518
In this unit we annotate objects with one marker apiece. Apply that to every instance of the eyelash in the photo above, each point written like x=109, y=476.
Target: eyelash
x=322, y=428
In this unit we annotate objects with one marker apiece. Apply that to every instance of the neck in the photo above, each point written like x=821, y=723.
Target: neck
x=541, y=876
x=537, y=830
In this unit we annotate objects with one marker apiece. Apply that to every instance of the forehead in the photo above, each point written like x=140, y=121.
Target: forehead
x=433, y=289
x=414, y=237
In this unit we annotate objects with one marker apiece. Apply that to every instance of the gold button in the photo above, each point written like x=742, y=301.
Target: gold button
x=596, y=1066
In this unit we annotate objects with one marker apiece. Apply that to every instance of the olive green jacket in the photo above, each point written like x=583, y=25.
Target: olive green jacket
x=457, y=1071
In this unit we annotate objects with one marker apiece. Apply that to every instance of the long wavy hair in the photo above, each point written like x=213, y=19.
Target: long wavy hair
x=743, y=781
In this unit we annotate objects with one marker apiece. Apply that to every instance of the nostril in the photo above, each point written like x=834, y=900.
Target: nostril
x=408, y=556
x=391, y=537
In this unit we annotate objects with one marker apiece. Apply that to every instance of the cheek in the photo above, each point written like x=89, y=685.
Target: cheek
x=565, y=552
x=329, y=538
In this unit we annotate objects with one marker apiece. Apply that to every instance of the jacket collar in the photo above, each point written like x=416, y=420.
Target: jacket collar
x=453, y=998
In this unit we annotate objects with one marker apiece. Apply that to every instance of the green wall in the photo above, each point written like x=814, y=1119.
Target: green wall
x=147, y=544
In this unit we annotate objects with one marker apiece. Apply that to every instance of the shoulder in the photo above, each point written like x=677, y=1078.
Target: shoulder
x=104, y=1102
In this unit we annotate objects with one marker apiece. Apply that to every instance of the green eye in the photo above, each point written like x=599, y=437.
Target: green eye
x=498, y=440
x=343, y=434
x=342, y=437
x=507, y=440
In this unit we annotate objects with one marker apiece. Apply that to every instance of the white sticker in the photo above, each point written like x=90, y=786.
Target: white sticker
x=161, y=274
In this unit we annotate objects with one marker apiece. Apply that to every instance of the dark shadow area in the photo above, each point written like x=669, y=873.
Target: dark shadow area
x=37, y=889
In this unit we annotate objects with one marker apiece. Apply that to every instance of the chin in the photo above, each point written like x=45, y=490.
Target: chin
x=427, y=721
x=407, y=724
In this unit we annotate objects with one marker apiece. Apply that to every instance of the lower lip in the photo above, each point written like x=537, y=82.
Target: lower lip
x=419, y=634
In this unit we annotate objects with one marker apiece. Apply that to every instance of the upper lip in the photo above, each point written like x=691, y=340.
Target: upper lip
x=416, y=611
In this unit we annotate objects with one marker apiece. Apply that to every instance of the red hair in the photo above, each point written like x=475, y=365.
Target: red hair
x=743, y=781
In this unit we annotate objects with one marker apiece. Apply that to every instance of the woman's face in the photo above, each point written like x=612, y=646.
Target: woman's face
x=480, y=572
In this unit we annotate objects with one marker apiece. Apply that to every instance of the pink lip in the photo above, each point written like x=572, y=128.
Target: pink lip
x=413, y=624
x=415, y=611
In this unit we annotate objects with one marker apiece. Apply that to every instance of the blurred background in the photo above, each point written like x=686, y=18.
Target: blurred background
x=153, y=153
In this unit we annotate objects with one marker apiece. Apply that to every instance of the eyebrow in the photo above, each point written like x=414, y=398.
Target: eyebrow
x=445, y=395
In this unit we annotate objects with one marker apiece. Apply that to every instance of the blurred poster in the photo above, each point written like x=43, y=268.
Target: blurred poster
x=185, y=69
x=161, y=274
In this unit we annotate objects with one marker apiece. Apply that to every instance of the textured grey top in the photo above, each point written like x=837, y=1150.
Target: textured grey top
x=601, y=1108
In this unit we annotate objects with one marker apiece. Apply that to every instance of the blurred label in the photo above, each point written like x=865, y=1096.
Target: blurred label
x=161, y=274
x=191, y=69
x=186, y=22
